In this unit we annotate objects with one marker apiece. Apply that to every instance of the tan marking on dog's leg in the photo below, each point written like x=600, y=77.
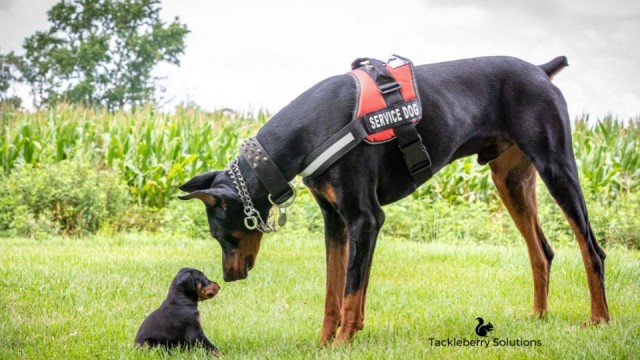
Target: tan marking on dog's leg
x=337, y=252
x=351, y=317
x=337, y=257
x=364, y=299
x=515, y=178
x=599, y=308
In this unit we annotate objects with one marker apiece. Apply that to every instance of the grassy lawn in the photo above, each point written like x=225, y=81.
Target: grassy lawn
x=64, y=298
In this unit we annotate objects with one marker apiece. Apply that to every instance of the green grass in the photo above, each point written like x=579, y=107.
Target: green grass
x=64, y=298
x=80, y=298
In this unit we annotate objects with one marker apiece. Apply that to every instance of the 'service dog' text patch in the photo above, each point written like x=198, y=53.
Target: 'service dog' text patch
x=392, y=116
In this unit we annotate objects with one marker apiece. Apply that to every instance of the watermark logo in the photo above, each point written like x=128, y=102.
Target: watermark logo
x=483, y=329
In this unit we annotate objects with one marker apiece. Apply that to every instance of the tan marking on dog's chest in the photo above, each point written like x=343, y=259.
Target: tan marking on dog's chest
x=329, y=193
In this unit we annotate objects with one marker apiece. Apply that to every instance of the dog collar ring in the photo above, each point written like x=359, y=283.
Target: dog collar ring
x=250, y=222
x=286, y=203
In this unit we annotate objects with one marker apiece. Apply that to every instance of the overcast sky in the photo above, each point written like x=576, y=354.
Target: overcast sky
x=253, y=54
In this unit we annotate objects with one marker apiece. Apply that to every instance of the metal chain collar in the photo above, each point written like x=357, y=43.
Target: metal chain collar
x=252, y=219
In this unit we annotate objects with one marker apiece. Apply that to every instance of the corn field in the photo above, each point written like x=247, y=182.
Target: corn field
x=155, y=152
x=607, y=153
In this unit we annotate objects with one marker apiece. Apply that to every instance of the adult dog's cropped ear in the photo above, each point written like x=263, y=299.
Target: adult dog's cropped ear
x=199, y=182
x=207, y=196
x=200, y=188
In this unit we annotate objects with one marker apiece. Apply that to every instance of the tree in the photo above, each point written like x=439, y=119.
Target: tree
x=101, y=53
x=9, y=75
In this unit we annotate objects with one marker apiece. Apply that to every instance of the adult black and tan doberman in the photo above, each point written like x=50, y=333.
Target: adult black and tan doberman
x=503, y=109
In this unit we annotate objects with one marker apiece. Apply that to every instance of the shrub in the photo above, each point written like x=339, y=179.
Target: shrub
x=69, y=197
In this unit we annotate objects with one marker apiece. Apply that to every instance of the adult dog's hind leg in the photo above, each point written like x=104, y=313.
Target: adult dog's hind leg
x=548, y=145
x=561, y=178
x=515, y=178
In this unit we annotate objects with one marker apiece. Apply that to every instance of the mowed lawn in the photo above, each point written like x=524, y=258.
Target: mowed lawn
x=64, y=298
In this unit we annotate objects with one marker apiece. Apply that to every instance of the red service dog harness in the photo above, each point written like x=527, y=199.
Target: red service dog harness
x=388, y=107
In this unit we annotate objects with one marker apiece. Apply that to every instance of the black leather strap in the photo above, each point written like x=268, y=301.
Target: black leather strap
x=267, y=171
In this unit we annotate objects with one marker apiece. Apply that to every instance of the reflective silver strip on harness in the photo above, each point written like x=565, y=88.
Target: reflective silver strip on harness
x=327, y=154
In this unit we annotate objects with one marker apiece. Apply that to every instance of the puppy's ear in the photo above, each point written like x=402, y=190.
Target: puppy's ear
x=199, y=182
x=185, y=280
x=207, y=196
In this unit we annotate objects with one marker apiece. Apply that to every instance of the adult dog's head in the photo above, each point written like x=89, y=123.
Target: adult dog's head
x=225, y=213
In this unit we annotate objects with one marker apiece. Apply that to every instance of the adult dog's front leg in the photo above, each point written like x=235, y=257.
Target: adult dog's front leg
x=363, y=231
x=337, y=257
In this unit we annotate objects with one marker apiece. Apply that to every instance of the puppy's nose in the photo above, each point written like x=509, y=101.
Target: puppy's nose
x=213, y=290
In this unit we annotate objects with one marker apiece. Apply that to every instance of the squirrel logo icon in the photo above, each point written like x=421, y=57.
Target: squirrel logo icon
x=482, y=330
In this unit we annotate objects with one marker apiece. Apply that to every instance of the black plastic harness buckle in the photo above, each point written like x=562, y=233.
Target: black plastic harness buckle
x=416, y=156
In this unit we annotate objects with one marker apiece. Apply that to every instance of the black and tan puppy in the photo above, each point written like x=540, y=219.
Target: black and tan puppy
x=177, y=321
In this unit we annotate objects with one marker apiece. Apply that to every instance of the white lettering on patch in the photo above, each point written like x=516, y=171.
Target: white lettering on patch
x=388, y=118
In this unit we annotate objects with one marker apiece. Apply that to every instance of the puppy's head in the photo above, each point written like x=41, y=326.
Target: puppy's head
x=195, y=284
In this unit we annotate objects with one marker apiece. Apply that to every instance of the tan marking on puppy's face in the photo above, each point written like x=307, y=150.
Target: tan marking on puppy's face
x=207, y=292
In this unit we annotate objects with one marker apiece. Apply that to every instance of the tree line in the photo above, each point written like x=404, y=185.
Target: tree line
x=96, y=53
